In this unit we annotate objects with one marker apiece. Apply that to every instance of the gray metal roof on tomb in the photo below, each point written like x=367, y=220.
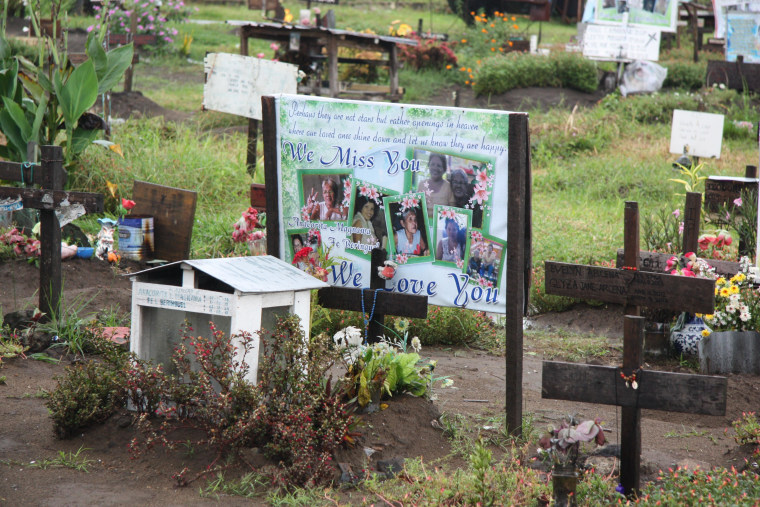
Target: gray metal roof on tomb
x=248, y=275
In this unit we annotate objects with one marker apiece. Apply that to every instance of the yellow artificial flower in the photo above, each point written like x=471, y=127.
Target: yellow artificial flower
x=720, y=281
x=734, y=289
x=401, y=325
x=709, y=316
x=112, y=188
x=705, y=332
x=725, y=292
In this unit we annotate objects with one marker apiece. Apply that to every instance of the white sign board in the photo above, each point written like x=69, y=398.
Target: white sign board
x=181, y=298
x=607, y=42
x=696, y=134
x=235, y=83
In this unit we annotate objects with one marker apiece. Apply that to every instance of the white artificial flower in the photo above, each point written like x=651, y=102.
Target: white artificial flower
x=447, y=383
x=416, y=345
x=348, y=337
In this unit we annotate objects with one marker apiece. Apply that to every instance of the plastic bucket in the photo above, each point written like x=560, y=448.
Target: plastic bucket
x=136, y=237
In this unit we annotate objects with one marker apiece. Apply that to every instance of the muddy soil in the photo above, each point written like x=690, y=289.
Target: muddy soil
x=409, y=427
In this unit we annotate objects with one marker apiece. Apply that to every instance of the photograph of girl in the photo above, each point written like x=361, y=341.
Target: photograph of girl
x=409, y=224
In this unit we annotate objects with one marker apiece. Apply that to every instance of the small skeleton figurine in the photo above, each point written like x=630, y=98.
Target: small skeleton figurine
x=105, y=238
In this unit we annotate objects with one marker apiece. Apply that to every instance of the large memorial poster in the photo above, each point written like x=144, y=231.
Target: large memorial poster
x=428, y=184
x=660, y=14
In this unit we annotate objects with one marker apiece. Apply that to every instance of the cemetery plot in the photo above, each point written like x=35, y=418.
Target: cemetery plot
x=51, y=176
x=610, y=384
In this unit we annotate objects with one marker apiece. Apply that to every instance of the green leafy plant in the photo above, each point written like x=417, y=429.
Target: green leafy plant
x=42, y=99
x=385, y=368
x=691, y=178
x=293, y=412
x=88, y=393
x=74, y=460
x=719, y=486
x=662, y=231
x=747, y=429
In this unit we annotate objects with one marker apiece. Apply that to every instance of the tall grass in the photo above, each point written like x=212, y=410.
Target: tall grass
x=176, y=155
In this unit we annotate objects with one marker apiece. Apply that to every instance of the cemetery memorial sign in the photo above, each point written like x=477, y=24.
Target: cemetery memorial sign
x=443, y=190
x=236, y=83
x=742, y=35
x=616, y=43
x=659, y=14
x=696, y=134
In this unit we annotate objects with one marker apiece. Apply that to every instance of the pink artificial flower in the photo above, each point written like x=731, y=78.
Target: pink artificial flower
x=260, y=55
x=677, y=213
x=738, y=201
x=480, y=194
x=274, y=46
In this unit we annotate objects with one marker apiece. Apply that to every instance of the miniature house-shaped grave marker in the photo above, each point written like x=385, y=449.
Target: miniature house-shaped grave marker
x=237, y=294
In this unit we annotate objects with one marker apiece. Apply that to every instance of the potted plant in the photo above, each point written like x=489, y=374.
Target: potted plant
x=562, y=446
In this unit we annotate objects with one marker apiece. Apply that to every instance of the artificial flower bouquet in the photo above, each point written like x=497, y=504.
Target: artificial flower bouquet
x=737, y=302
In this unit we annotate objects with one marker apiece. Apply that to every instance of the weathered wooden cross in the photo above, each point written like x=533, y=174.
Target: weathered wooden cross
x=378, y=302
x=677, y=392
x=51, y=176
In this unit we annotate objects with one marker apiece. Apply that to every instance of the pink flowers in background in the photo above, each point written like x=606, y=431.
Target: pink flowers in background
x=402, y=258
x=738, y=201
x=248, y=227
x=23, y=246
x=150, y=18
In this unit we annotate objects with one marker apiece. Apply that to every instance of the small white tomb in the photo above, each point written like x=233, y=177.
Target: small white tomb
x=236, y=294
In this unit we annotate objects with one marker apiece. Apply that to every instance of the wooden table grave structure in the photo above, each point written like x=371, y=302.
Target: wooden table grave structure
x=308, y=42
x=629, y=386
x=51, y=176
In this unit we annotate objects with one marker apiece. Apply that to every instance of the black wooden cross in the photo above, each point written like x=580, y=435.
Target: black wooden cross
x=377, y=302
x=677, y=392
x=51, y=176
